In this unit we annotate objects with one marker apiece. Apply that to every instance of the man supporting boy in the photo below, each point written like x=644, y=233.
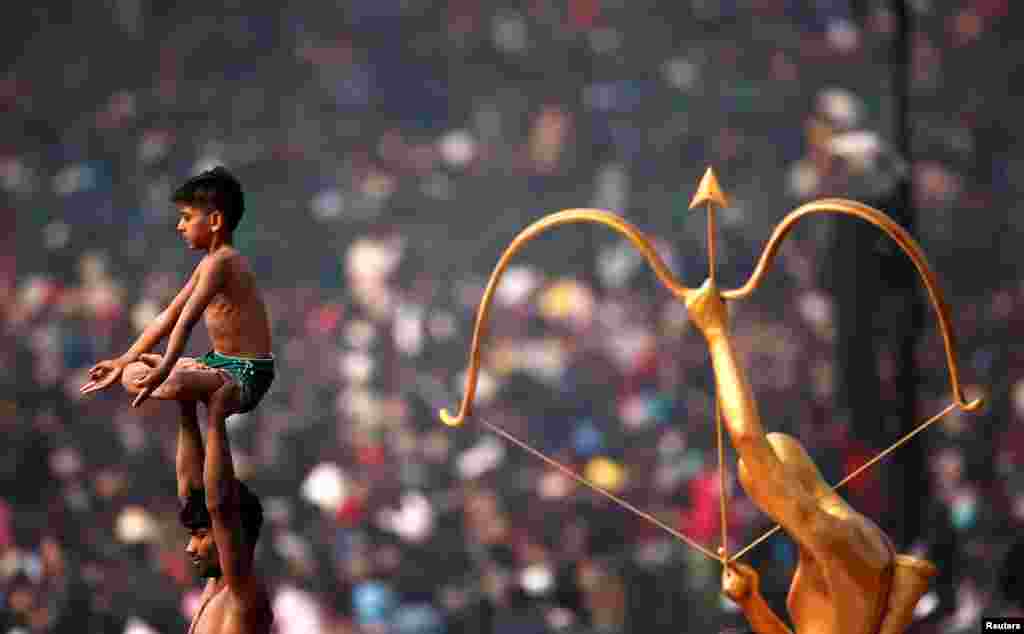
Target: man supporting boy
x=222, y=516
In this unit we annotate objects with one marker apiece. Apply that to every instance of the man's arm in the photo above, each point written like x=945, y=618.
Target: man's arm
x=189, y=464
x=223, y=503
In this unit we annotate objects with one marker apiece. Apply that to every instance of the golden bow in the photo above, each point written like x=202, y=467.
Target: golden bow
x=709, y=192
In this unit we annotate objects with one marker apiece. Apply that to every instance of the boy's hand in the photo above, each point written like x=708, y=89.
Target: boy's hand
x=103, y=375
x=149, y=382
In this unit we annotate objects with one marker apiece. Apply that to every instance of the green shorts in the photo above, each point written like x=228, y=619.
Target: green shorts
x=253, y=376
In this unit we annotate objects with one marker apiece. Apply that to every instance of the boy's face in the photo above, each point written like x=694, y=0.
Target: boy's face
x=197, y=226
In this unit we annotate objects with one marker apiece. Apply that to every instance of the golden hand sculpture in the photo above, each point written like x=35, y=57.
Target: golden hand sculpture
x=849, y=579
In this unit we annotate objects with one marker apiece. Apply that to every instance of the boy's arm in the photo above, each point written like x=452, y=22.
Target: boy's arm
x=189, y=464
x=212, y=272
x=163, y=323
x=105, y=373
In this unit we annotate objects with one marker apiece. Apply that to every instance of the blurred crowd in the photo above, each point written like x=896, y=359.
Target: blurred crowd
x=389, y=151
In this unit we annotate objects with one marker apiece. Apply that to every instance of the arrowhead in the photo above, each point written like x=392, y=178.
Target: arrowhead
x=709, y=191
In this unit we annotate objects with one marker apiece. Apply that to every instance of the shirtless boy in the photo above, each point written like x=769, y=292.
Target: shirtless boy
x=237, y=373
x=222, y=515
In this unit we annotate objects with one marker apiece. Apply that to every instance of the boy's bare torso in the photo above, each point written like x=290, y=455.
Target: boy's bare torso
x=236, y=319
x=221, y=613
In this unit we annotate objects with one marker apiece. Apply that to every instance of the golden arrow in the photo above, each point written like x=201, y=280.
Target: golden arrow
x=710, y=192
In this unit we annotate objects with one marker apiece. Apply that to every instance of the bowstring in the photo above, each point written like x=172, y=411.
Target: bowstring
x=724, y=558
x=578, y=478
x=722, y=498
x=608, y=494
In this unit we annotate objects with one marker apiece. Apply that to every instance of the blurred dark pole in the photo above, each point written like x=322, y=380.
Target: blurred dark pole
x=870, y=271
x=912, y=460
x=869, y=274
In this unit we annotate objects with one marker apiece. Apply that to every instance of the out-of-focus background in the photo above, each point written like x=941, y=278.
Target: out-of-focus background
x=389, y=150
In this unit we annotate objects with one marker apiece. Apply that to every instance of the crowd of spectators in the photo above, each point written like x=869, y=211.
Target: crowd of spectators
x=389, y=151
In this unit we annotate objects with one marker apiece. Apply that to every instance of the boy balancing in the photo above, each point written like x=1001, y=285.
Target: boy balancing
x=222, y=515
x=237, y=373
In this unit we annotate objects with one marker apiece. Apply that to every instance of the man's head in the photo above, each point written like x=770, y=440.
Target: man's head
x=209, y=203
x=201, y=546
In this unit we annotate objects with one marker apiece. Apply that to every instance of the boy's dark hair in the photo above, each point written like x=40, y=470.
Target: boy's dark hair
x=214, y=190
x=194, y=514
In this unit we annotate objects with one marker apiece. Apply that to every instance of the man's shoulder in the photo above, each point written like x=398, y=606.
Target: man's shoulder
x=252, y=597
